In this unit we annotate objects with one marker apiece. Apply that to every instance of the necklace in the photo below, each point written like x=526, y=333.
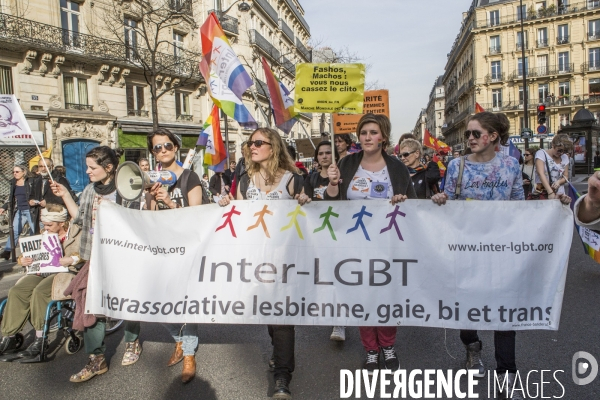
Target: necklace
x=267, y=182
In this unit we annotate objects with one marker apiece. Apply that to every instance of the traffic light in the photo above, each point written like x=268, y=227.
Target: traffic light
x=541, y=112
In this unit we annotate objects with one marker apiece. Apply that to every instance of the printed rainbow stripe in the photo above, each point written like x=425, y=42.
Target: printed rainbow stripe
x=215, y=155
x=281, y=103
x=589, y=238
x=226, y=77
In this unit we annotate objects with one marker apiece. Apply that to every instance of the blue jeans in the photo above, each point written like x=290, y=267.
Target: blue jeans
x=187, y=334
x=18, y=223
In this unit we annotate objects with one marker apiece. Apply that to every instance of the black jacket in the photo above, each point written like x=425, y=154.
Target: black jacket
x=11, y=205
x=42, y=191
x=401, y=182
x=214, y=185
x=425, y=182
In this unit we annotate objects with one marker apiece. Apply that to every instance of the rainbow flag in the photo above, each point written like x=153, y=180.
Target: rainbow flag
x=215, y=155
x=589, y=238
x=281, y=103
x=226, y=77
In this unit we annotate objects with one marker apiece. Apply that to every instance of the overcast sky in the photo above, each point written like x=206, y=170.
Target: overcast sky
x=406, y=43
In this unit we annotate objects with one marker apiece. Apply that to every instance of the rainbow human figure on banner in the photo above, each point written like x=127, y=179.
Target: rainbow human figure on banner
x=226, y=77
x=211, y=140
x=281, y=103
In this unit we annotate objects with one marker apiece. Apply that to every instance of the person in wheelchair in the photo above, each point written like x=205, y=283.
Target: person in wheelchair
x=30, y=296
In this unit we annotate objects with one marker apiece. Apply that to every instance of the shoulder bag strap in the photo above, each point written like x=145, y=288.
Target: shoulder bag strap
x=461, y=169
x=548, y=168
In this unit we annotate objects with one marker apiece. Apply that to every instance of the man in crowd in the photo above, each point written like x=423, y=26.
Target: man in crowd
x=229, y=173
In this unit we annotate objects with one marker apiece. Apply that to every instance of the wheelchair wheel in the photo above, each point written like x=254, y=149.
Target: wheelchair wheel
x=73, y=344
x=112, y=325
x=20, y=340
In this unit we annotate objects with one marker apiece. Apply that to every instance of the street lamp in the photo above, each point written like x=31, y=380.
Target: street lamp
x=243, y=7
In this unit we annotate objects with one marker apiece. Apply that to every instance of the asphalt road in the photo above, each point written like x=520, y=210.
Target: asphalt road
x=232, y=359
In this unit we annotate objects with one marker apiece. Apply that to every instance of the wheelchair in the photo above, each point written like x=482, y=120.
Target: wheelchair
x=59, y=316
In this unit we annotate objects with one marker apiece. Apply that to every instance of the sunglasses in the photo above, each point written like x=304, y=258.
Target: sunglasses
x=405, y=155
x=18, y=172
x=257, y=143
x=476, y=134
x=158, y=148
x=560, y=151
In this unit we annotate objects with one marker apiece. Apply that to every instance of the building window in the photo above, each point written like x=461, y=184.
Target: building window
x=130, y=37
x=565, y=119
x=76, y=93
x=542, y=37
x=593, y=3
x=69, y=15
x=6, y=85
x=182, y=106
x=496, y=99
x=494, y=44
x=564, y=89
x=520, y=41
x=543, y=92
x=563, y=34
x=521, y=12
x=135, y=101
x=594, y=29
x=177, y=44
x=594, y=59
x=563, y=62
x=520, y=65
x=495, y=17
x=521, y=99
x=496, y=71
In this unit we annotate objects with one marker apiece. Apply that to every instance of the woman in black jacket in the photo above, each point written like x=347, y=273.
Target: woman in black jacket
x=372, y=175
x=18, y=206
x=424, y=179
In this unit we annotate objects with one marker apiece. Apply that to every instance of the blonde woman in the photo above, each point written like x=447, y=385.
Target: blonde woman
x=552, y=167
x=272, y=175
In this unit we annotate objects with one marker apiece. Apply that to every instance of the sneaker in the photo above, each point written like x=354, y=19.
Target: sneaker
x=7, y=344
x=390, y=358
x=474, y=359
x=96, y=366
x=338, y=334
x=282, y=389
x=132, y=352
x=372, y=361
x=508, y=384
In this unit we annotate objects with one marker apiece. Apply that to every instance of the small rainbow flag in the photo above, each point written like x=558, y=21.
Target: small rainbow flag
x=281, y=103
x=589, y=238
x=226, y=77
x=211, y=140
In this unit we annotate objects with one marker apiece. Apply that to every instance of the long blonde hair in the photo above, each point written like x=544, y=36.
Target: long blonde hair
x=278, y=160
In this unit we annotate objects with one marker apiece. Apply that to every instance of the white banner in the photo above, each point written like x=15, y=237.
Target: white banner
x=468, y=264
x=46, y=251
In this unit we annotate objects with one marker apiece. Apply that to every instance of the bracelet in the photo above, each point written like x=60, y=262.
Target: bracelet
x=75, y=260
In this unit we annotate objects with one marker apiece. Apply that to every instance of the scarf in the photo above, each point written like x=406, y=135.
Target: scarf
x=413, y=171
x=103, y=190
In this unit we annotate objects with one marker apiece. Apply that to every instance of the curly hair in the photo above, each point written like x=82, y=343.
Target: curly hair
x=279, y=159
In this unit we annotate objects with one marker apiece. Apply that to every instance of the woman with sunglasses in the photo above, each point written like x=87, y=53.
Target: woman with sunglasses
x=102, y=162
x=424, y=179
x=372, y=175
x=272, y=175
x=18, y=206
x=527, y=170
x=487, y=175
x=552, y=167
x=186, y=192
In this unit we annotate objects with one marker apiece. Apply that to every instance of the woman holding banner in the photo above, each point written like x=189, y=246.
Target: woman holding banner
x=272, y=175
x=186, y=192
x=102, y=162
x=468, y=178
x=30, y=296
x=372, y=175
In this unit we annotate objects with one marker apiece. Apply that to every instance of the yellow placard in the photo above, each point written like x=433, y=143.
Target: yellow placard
x=375, y=101
x=329, y=88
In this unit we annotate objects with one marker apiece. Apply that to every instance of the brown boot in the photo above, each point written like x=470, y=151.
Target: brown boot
x=189, y=368
x=96, y=366
x=177, y=355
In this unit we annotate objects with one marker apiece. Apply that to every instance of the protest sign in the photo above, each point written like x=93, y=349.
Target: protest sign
x=46, y=251
x=375, y=102
x=329, y=88
x=335, y=263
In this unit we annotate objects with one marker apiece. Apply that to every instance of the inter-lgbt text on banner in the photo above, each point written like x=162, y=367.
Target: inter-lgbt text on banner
x=327, y=88
x=335, y=263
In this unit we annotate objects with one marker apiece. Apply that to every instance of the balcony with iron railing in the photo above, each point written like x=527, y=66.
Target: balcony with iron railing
x=545, y=12
x=185, y=117
x=288, y=66
x=182, y=7
x=297, y=14
x=268, y=9
x=80, y=107
x=307, y=54
x=590, y=66
x=544, y=71
x=259, y=40
x=137, y=113
x=542, y=43
x=22, y=33
x=287, y=31
x=495, y=78
x=495, y=49
x=228, y=23
x=562, y=39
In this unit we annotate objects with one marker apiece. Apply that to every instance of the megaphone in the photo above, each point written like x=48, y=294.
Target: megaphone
x=131, y=181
